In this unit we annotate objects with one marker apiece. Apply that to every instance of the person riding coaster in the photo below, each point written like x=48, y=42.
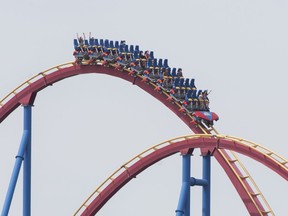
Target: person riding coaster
x=170, y=80
x=112, y=56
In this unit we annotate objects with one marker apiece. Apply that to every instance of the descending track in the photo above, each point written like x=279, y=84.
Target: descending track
x=26, y=93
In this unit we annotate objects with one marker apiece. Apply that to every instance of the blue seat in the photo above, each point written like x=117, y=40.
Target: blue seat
x=181, y=84
x=106, y=44
x=111, y=44
x=192, y=84
x=91, y=42
x=194, y=94
x=160, y=63
x=102, y=42
x=176, y=84
x=96, y=42
x=187, y=84
x=155, y=64
x=137, y=48
x=189, y=95
x=131, y=48
x=173, y=73
x=151, y=55
x=165, y=64
x=150, y=63
x=199, y=93
x=121, y=49
x=126, y=48
x=169, y=73
x=117, y=44
x=112, y=55
x=76, y=45
x=136, y=55
x=192, y=101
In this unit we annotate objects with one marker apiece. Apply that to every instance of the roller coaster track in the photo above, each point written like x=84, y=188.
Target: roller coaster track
x=140, y=162
x=222, y=150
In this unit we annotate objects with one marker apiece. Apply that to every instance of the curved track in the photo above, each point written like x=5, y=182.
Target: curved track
x=26, y=93
x=139, y=163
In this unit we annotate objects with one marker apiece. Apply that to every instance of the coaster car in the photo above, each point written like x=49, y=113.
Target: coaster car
x=205, y=117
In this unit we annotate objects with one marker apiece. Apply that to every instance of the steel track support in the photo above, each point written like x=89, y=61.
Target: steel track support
x=27, y=164
x=183, y=208
x=206, y=188
x=24, y=153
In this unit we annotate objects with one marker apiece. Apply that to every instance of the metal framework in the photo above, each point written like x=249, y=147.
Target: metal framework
x=147, y=158
x=183, y=208
x=24, y=154
x=208, y=140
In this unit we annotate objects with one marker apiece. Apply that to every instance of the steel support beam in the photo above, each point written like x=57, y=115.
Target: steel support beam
x=24, y=153
x=183, y=208
x=27, y=163
x=207, y=187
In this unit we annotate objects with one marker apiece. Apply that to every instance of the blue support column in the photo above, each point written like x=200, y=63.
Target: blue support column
x=27, y=163
x=183, y=208
x=186, y=179
x=198, y=182
x=22, y=152
x=207, y=187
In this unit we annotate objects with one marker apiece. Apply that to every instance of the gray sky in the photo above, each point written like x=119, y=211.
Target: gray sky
x=87, y=126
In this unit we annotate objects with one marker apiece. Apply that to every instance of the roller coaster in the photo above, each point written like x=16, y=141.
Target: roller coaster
x=178, y=94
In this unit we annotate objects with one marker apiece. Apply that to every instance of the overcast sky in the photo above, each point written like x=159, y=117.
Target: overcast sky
x=87, y=126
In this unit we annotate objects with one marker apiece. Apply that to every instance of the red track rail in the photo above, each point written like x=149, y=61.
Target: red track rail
x=28, y=94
